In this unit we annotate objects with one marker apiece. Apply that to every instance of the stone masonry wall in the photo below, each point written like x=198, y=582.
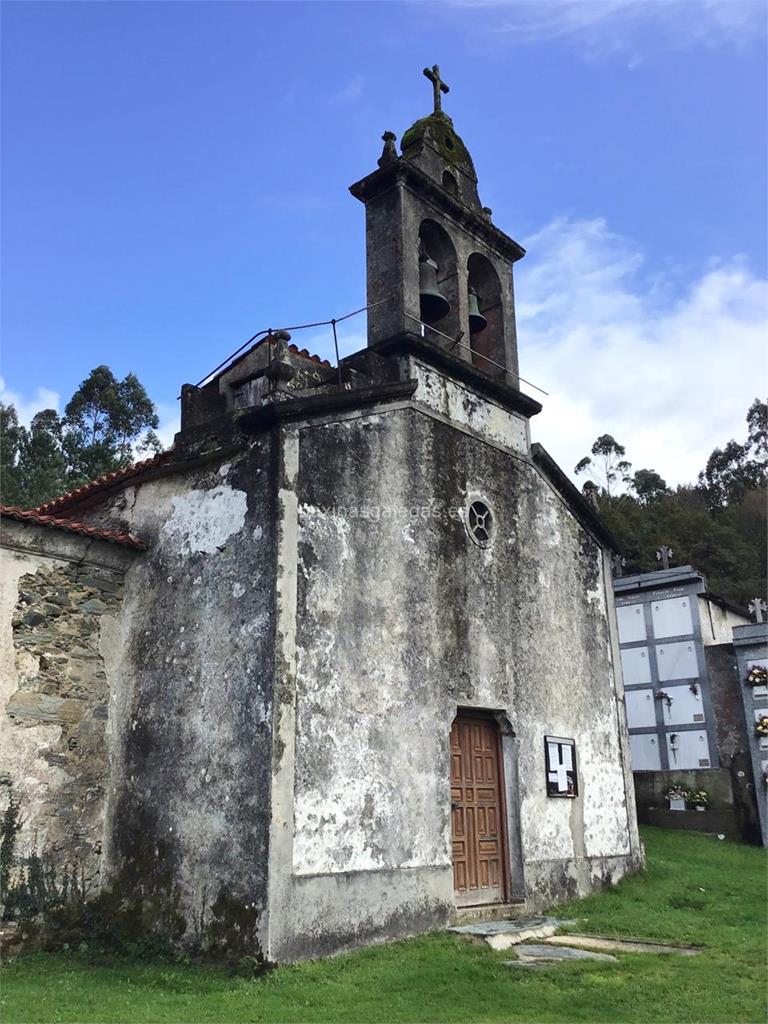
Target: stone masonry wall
x=59, y=629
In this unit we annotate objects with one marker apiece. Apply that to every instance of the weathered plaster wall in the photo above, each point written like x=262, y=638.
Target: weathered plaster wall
x=401, y=619
x=459, y=404
x=717, y=623
x=60, y=601
x=189, y=809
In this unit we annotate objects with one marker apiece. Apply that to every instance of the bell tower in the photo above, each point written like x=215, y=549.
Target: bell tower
x=438, y=270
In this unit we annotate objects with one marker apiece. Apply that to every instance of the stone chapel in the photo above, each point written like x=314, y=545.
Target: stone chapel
x=342, y=665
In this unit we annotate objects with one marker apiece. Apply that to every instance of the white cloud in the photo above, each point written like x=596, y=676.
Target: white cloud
x=670, y=375
x=26, y=407
x=169, y=415
x=609, y=26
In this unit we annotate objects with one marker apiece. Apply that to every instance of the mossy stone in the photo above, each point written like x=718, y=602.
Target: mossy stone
x=438, y=130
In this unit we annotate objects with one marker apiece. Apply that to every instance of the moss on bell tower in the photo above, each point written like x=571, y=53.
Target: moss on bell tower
x=437, y=131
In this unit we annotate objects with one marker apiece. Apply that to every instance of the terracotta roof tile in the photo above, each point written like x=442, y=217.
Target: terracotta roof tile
x=304, y=353
x=79, y=494
x=292, y=348
x=34, y=516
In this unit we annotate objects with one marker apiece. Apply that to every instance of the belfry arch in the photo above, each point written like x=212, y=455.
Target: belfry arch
x=488, y=342
x=435, y=242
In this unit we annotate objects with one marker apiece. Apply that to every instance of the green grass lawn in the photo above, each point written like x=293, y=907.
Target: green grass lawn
x=696, y=890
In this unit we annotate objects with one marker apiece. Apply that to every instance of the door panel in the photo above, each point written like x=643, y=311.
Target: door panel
x=476, y=812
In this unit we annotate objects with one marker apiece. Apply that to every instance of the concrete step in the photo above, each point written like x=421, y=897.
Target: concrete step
x=489, y=912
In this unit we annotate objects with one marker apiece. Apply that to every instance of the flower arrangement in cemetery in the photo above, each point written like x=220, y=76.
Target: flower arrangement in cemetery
x=663, y=695
x=698, y=797
x=676, y=792
x=761, y=725
x=757, y=675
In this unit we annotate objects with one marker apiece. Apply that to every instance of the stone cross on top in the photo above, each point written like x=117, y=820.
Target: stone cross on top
x=438, y=85
x=663, y=555
x=758, y=609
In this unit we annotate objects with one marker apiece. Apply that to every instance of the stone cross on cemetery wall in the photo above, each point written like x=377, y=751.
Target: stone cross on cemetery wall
x=757, y=608
x=438, y=85
x=663, y=555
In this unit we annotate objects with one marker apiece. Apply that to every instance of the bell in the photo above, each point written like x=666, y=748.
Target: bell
x=476, y=319
x=432, y=302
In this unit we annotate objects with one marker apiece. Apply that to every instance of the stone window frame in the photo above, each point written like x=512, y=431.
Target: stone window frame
x=480, y=522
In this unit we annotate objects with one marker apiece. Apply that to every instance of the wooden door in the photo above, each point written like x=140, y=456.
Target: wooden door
x=477, y=812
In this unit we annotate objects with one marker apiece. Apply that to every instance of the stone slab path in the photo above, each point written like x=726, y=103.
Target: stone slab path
x=504, y=934
x=523, y=933
x=534, y=953
x=619, y=945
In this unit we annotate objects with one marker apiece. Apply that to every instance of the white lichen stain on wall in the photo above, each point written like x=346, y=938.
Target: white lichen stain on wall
x=318, y=819
x=548, y=524
x=596, y=597
x=348, y=810
x=203, y=521
x=254, y=626
x=329, y=528
x=353, y=820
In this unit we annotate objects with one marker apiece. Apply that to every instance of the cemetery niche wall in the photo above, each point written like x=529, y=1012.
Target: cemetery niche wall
x=751, y=645
x=690, y=740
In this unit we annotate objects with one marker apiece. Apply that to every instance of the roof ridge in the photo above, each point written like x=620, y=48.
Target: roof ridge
x=306, y=354
x=85, y=490
x=71, y=526
x=235, y=360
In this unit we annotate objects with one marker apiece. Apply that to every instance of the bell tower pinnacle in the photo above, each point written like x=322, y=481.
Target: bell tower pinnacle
x=439, y=272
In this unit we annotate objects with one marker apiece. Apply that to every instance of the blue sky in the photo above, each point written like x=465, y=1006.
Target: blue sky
x=175, y=178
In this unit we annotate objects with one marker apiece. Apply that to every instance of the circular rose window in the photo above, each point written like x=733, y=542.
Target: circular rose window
x=480, y=523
